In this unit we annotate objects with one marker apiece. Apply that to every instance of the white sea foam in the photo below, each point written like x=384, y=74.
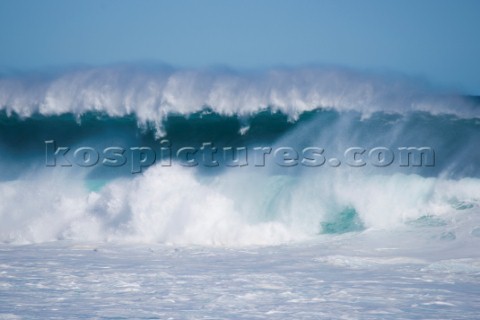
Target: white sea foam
x=152, y=93
x=173, y=205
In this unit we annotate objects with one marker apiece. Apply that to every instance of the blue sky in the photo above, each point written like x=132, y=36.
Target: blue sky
x=435, y=39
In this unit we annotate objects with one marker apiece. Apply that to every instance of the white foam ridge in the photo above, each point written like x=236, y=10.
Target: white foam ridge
x=175, y=206
x=151, y=93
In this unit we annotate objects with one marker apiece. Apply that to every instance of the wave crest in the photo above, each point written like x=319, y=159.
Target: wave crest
x=153, y=93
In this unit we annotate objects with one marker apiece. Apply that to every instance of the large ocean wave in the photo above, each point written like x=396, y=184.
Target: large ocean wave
x=332, y=109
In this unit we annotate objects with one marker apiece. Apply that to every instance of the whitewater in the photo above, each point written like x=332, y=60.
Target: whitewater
x=216, y=242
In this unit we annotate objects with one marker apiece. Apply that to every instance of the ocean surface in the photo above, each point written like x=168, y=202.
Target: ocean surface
x=305, y=193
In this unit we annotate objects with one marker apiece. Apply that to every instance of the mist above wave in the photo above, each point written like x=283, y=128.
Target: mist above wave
x=154, y=92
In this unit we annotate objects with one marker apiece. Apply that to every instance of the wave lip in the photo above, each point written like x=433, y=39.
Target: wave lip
x=153, y=93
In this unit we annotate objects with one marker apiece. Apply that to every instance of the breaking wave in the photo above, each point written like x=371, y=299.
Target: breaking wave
x=332, y=109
